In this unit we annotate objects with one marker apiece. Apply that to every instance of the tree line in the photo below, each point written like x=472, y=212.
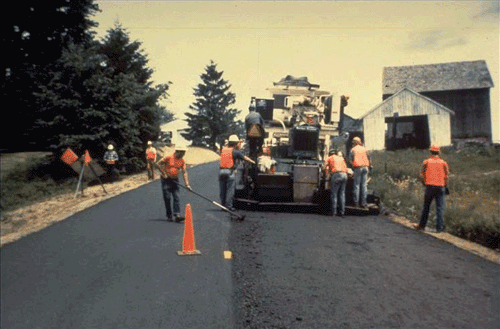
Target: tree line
x=62, y=87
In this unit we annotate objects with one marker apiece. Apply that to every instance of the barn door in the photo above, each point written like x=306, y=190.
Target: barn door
x=406, y=132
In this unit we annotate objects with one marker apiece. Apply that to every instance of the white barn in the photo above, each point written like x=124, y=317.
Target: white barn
x=406, y=119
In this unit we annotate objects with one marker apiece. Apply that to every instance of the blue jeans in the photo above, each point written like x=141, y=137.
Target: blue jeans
x=227, y=187
x=360, y=177
x=171, y=191
x=438, y=193
x=339, y=181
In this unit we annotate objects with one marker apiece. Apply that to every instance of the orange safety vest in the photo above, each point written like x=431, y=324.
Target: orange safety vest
x=171, y=166
x=226, y=158
x=435, y=171
x=335, y=164
x=360, y=157
x=151, y=154
x=111, y=161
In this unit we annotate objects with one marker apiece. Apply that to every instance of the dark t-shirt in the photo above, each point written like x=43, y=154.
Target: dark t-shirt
x=238, y=155
x=253, y=118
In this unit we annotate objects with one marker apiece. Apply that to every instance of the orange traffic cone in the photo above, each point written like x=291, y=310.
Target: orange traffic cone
x=188, y=245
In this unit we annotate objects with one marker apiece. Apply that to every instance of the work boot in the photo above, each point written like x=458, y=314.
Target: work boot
x=417, y=227
x=178, y=218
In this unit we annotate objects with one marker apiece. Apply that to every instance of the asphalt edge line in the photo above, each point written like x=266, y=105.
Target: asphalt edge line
x=472, y=247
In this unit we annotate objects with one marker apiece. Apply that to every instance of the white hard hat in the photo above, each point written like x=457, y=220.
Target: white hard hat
x=234, y=138
x=110, y=147
x=150, y=143
x=180, y=147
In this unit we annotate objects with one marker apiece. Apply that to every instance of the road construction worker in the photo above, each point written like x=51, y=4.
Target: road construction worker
x=229, y=158
x=336, y=170
x=254, y=126
x=265, y=163
x=360, y=162
x=150, y=160
x=434, y=174
x=111, y=157
x=169, y=167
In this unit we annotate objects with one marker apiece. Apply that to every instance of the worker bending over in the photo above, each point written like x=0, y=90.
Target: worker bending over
x=336, y=170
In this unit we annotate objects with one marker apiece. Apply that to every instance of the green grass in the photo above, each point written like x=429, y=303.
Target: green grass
x=18, y=189
x=472, y=208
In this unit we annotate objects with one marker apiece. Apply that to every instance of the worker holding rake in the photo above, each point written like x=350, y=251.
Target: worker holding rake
x=169, y=167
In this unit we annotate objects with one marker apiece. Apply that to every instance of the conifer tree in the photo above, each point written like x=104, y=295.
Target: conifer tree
x=34, y=34
x=213, y=120
x=101, y=94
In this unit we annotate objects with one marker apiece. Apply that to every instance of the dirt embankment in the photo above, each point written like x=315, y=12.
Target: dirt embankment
x=30, y=219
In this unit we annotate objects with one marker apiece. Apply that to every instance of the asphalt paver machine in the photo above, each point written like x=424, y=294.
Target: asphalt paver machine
x=301, y=124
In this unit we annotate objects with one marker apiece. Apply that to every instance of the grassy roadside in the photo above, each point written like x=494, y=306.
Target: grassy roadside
x=19, y=187
x=472, y=208
x=30, y=178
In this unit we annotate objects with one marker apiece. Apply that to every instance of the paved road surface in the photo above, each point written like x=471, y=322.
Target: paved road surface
x=311, y=271
x=115, y=265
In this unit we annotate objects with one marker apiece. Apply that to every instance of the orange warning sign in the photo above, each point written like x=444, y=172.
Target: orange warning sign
x=69, y=156
x=86, y=159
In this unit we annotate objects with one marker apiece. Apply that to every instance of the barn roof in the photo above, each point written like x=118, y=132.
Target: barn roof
x=413, y=92
x=437, y=77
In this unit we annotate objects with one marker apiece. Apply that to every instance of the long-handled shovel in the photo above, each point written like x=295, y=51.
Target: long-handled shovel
x=240, y=217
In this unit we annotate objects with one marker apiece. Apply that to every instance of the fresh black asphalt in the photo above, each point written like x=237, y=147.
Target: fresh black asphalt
x=115, y=266
x=293, y=270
